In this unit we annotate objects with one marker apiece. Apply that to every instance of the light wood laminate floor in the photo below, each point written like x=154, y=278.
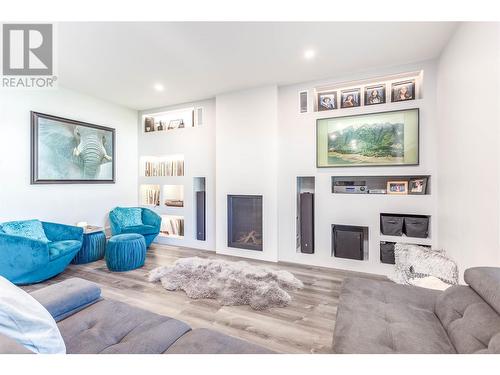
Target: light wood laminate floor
x=305, y=326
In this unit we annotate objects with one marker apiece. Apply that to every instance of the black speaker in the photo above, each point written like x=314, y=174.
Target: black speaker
x=307, y=223
x=348, y=241
x=200, y=215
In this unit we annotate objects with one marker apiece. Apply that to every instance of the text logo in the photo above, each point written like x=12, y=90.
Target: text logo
x=27, y=50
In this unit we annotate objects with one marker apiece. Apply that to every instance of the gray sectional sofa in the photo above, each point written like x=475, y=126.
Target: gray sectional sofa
x=90, y=324
x=384, y=317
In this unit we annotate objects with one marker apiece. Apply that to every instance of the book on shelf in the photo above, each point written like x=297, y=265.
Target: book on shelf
x=164, y=168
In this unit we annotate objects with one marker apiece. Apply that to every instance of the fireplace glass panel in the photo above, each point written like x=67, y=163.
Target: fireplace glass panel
x=244, y=222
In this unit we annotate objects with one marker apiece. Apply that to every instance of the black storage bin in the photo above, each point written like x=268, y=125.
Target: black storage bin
x=391, y=225
x=417, y=226
x=387, y=252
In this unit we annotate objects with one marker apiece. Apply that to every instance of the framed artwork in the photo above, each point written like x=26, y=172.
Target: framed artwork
x=397, y=187
x=350, y=98
x=327, y=100
x=374, y=95
x=418, y=186
x=402, y=91
x=378, y=139
x=65, y=151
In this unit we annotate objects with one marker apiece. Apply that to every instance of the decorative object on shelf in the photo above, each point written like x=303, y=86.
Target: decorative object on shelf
x=379, y=139
x=231, y=283
x=66, y=151
x=327, y=100
x=93, y=247
x=375, y=94
x=174, y=203
x=172, y=226
x=418, y=186
x=350, y=98
x=151, y=195
x=161, y=126
x=415, y=262
x=149, y=124
x=402, y=91
x=176, y=124
x=164, y=168
x=397, y=187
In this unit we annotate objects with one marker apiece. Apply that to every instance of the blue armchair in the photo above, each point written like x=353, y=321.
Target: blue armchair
x=39, y=254
x=135, y=220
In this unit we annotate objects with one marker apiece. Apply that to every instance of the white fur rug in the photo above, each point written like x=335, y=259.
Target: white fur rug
x=232, y=283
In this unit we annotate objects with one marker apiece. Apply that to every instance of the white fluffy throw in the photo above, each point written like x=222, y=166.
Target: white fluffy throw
x=232, y=283
x=414, y=262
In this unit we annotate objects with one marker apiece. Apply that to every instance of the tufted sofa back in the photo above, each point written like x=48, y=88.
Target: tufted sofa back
x=471, y=314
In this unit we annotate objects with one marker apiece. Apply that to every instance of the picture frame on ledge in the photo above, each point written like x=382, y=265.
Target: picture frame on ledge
x=377, y=139
x=397, y=187
x=418, y=186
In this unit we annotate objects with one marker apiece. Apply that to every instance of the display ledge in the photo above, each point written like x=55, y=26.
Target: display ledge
x=370, y=109
x=404, y=239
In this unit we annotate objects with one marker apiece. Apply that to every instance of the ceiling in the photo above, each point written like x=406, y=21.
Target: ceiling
x=121, y=62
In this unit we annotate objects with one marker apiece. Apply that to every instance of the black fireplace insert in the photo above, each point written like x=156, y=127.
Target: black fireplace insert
x=244, y=222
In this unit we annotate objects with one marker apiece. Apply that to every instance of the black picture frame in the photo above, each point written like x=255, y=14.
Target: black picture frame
x=417, y=162
x=369, y=89
x=395, y=87
x=328, y=94
x=34, y=157
x=345, y=93
x=412, y=186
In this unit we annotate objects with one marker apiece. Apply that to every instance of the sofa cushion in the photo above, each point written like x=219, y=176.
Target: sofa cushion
x=113, y=327
x=384, y=317
x=206, y=341
x=486, y=282
x=128, y=216
x=67, y=297
x=469, y=321
x=61, y=248
x=140, y=229
x=32, y=229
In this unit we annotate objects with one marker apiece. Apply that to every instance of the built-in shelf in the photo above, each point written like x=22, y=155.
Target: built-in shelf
x=150, y=195
x=173, y=196
x=305, y=214
x=167, y=121
x=384, y=86
x=199, y=191
x=162, y=166
x=405, y=239
x=377, y=185
x=172, y=226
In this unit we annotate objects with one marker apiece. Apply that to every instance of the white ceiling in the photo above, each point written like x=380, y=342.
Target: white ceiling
x=121, y=62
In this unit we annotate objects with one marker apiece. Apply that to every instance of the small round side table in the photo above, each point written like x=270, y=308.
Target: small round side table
x=94, y=246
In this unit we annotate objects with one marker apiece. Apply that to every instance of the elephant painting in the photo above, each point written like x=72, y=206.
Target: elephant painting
x=71, y=151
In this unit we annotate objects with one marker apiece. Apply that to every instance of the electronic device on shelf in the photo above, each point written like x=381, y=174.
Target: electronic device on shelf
x=350, y=187
x=377, y=191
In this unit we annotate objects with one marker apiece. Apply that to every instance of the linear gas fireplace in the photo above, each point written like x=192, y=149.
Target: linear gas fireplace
x=244, y=221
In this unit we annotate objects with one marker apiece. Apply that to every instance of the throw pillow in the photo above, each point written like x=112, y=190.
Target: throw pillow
x=128, y=216
x=26, y=228
x=25, y=320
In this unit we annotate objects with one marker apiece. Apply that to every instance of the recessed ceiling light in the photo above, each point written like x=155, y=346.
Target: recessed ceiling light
x=159, y=87
x=309, y=54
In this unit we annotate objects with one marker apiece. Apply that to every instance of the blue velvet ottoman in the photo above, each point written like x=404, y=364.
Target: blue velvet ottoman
x=125, y=252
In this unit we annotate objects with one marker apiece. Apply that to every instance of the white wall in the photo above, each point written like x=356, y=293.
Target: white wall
x=469, y=159
x=197, y=145
x=297, y=157
x=246, y=162
x=62, y=203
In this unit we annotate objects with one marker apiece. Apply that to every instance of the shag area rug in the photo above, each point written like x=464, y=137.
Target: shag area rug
x=231, y=283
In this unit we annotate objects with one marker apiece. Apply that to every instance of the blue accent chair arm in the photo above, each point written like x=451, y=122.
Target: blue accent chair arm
x=114, y=224
x=29, y=255
x=150, y=217
x=61, y=232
